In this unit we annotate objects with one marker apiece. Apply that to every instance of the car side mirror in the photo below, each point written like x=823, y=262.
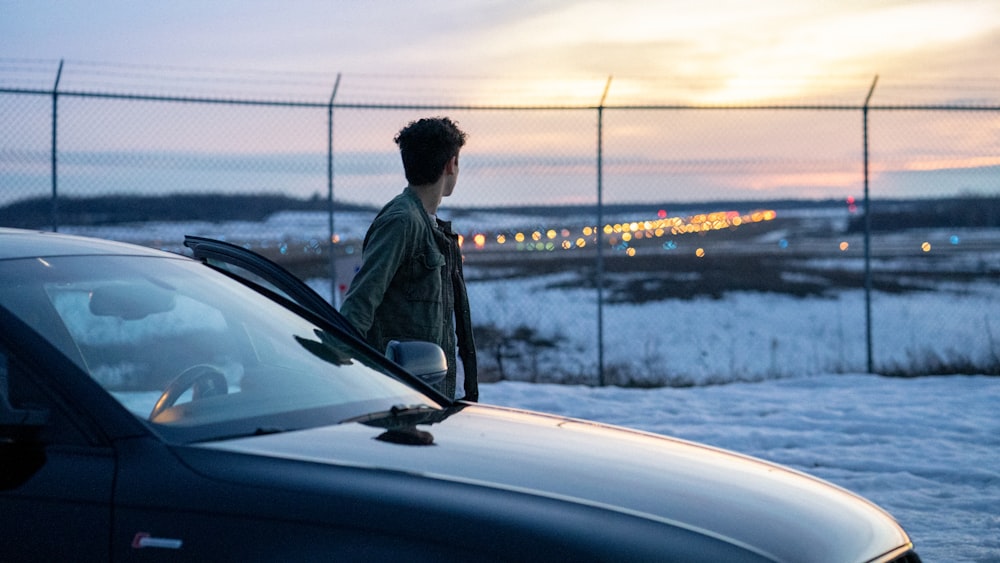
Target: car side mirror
x=425, y=360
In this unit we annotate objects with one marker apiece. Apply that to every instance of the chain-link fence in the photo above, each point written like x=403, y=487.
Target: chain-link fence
x=605, y=242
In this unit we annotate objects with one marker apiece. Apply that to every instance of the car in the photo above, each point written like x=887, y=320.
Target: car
x=207, y=405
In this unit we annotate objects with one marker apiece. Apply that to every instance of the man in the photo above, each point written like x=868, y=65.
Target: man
x=410, y=285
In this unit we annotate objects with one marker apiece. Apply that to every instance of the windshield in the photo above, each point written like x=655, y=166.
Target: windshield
x=194, y=353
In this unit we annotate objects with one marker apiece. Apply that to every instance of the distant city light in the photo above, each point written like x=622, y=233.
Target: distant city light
x=621, y=235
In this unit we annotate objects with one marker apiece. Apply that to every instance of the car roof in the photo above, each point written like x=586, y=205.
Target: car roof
x=19, y=243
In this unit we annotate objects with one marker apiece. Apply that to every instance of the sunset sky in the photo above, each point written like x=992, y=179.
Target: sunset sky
x=560, y=52
x=717, y=51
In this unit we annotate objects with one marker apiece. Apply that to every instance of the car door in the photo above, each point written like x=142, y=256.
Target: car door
x=261, y=271
x=56, y=470
x=423, y=359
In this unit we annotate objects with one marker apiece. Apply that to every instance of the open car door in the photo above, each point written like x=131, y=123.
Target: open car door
x=261, y=271
x=423, y=359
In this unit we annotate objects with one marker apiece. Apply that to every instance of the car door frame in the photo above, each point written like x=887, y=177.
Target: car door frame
x=214, y=252
x=76, y=477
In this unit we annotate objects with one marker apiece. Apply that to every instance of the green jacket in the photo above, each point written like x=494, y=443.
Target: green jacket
x=410, y=287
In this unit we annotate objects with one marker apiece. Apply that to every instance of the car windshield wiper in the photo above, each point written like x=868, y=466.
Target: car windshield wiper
x=397, y=410
x=393, y=412
x=259, y=431
x=268, y=430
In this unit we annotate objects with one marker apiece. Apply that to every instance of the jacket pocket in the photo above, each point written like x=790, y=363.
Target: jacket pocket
x=425, y=277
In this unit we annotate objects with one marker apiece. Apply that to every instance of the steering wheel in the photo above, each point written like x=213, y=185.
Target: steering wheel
x=203, y=380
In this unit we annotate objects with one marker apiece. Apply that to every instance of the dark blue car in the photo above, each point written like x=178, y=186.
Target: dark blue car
x=157, y=407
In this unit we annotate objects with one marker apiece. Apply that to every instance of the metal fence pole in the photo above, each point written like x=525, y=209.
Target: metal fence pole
x=55, y=172
x=600, y=236
x=868, y=236
x=334, y=292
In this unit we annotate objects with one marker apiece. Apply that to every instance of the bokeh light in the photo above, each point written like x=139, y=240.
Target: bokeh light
x=621, y=235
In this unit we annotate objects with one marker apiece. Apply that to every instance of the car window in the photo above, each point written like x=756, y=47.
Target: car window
x=195, y=353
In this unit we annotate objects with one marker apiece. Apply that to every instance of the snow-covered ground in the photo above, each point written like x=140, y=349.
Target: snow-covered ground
x=925, y=449
x=744, y=336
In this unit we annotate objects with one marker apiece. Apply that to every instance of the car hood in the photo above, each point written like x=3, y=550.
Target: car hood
x=768, y=508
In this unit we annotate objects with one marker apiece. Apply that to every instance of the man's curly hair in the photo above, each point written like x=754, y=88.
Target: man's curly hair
x=426, y=145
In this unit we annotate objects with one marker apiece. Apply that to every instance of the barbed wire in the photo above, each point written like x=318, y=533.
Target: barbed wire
x=485, y=90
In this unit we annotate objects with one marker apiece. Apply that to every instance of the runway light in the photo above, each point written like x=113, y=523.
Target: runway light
x=843, y=246
x=926, y=247
x=700, y=253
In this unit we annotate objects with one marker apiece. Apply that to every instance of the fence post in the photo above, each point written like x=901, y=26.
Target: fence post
x=600, y=236
x=334, y=290
x=54, y=210
x=868, y=236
